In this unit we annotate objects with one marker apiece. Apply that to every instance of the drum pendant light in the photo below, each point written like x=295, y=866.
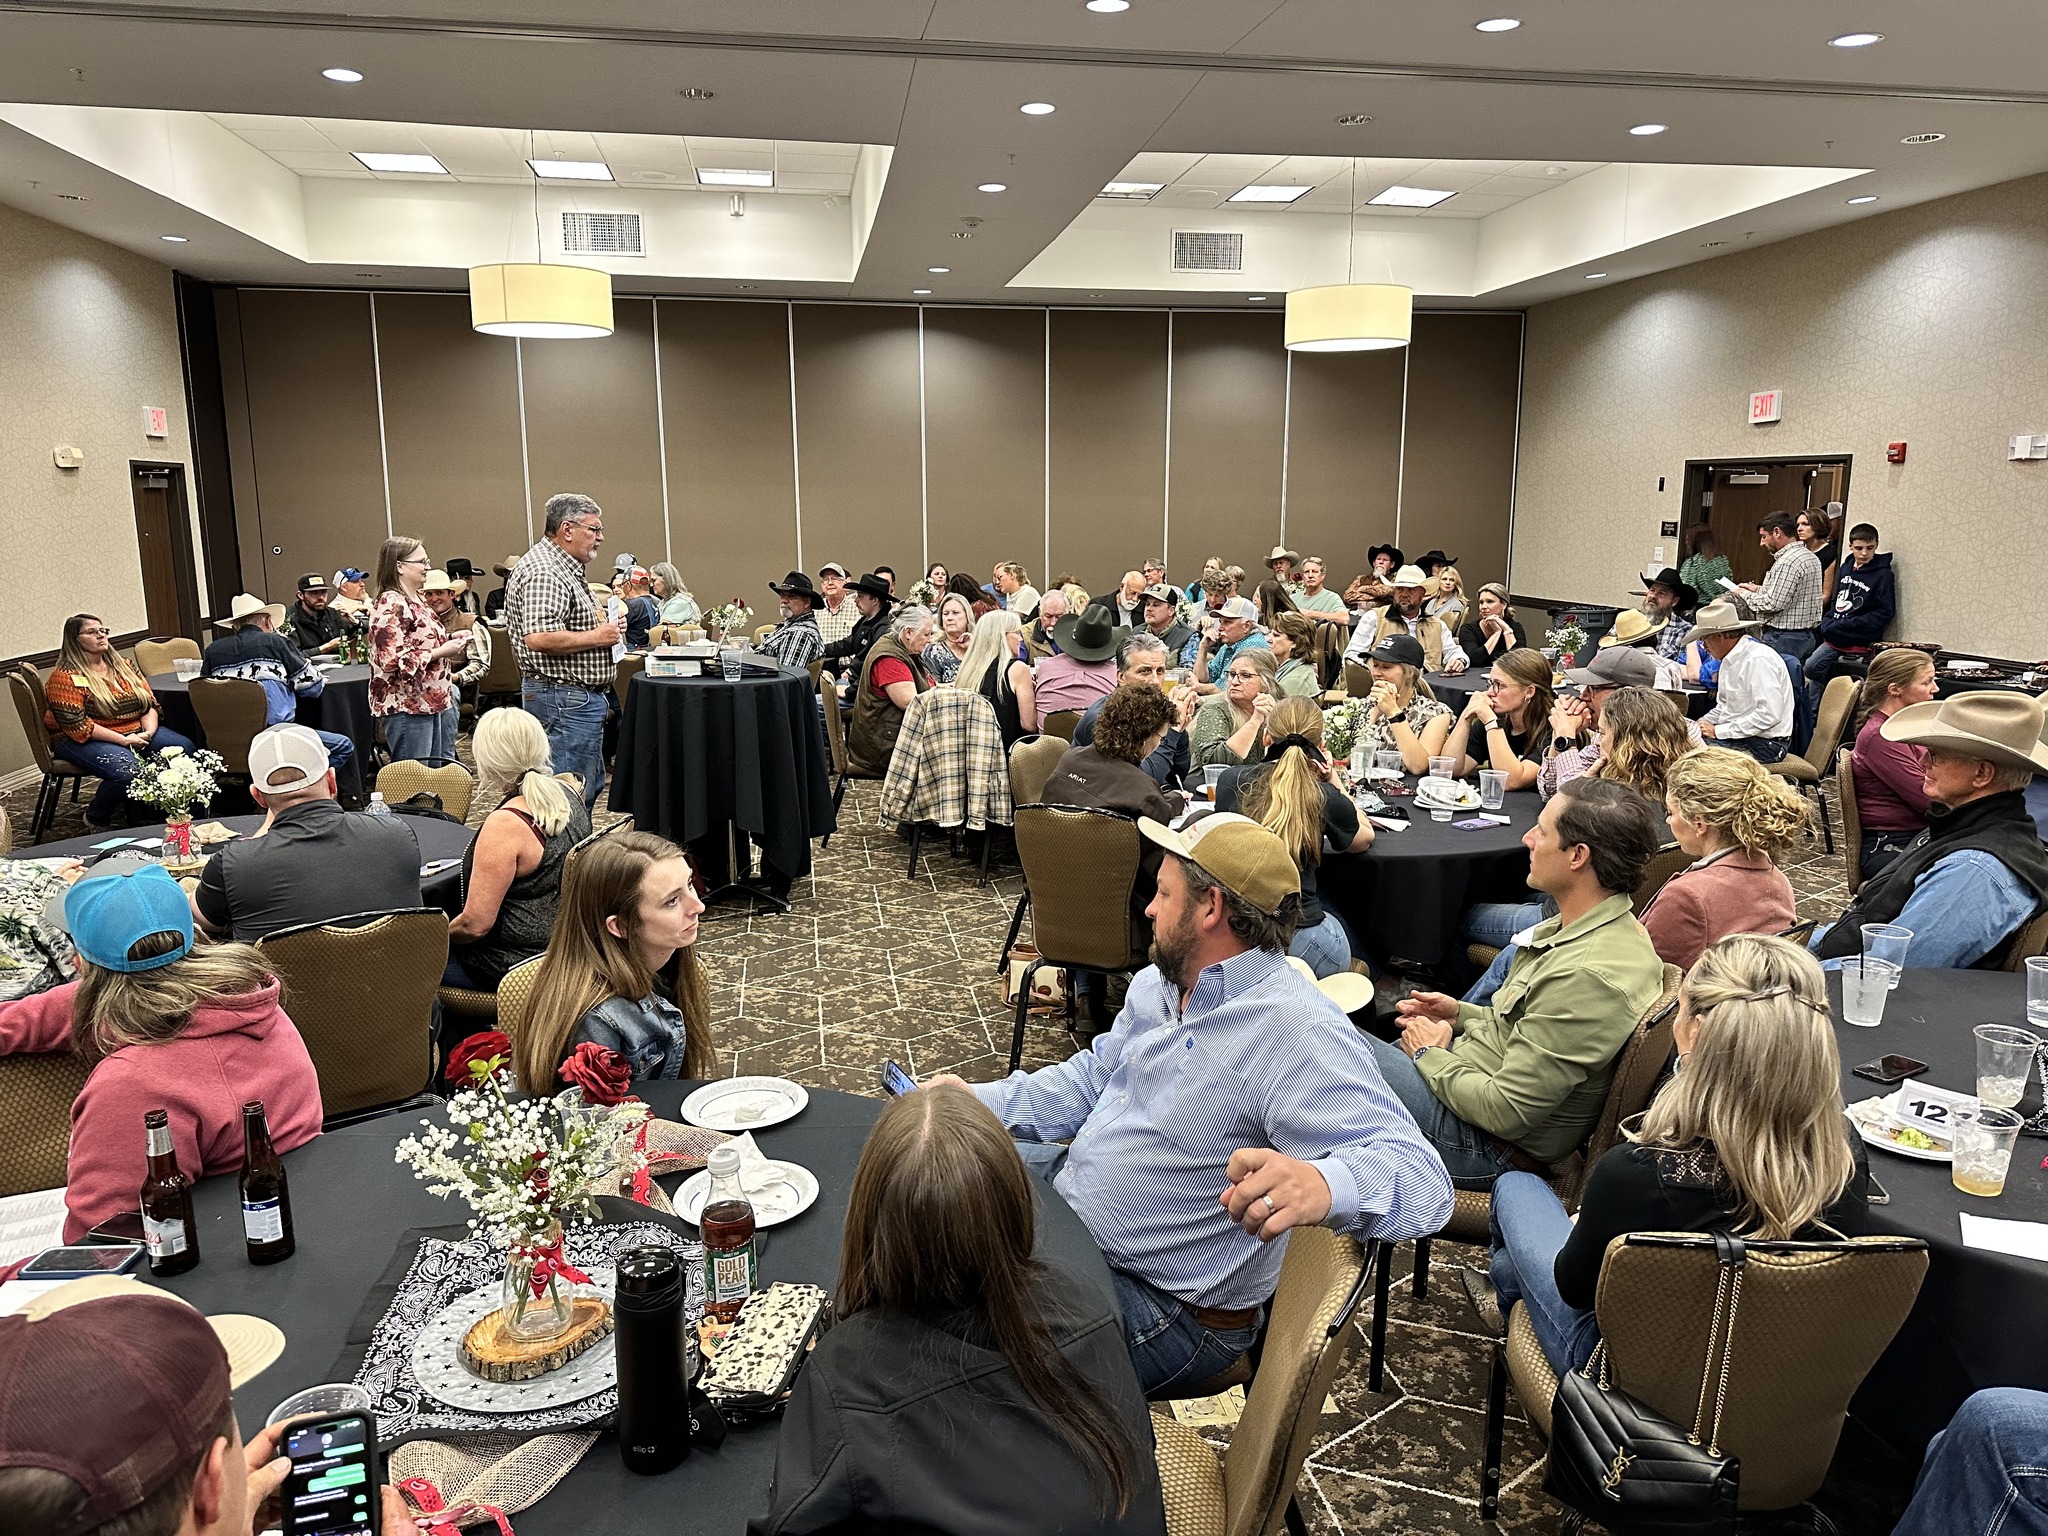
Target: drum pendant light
x=1348, y=316
x=539, y=300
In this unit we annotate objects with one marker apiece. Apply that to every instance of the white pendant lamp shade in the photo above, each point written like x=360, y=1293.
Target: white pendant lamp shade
x=540, y=302
x=1349, y=317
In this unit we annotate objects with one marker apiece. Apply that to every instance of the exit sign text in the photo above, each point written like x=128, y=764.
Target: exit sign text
x=1765, y=406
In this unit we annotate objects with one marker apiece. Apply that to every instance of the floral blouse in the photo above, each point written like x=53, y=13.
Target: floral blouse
x=1378, y=736
x=406, y=678
x=74, y=709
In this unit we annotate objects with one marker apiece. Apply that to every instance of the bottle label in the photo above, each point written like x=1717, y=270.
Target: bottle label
x=731, y=1274
x=159, y=1140
x=263, y=1220
x=164, y=1239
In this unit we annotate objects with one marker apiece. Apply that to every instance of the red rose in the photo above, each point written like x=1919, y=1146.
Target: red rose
x=480, y=1056
x=602, y=1073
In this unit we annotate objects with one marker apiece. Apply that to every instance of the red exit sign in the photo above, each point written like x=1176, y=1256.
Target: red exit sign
x=1766, y=406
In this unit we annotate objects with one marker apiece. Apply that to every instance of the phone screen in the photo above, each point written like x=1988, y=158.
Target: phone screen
x=898, y=1081
x=330, y=1490
x=99, y=1259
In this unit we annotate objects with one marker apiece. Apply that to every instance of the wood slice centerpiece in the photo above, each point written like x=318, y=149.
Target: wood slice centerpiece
x=490, y=1351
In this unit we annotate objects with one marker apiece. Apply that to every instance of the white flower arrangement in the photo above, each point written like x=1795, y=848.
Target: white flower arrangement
x=1568, y=638
x=177, y=782
x=1341, y=724
x=925, y=594
x=729, y=618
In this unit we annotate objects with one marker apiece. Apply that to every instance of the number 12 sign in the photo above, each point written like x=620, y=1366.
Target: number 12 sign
x=1766, y=406
x=1931, y=1110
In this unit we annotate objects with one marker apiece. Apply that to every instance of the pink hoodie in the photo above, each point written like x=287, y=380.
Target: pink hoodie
x=231, y=1052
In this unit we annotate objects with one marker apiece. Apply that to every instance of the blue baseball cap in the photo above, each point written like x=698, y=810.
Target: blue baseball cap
x=107, y=913
x=350, y=573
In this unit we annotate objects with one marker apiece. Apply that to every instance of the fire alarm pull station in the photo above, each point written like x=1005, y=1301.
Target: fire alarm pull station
x=1895, y=453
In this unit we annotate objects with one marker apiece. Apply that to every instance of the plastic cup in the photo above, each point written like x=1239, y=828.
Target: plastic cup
x=1866, y=982
x=729, y=664
x=2037, y=990
x=1440, y=813
x=1983, y=1150
x=1888, y=942
x=331, y=1397
x=1493, y=789
x=1388, y=762
x=2005, y=1060
x=1442, y=767
x=1212, y=775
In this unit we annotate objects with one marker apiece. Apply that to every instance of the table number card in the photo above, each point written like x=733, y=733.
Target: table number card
x=1932, y=1111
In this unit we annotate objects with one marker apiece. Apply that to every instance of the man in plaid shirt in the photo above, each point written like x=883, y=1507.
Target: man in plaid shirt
x=796, y=641
x=563, y=644
x=1789, y=599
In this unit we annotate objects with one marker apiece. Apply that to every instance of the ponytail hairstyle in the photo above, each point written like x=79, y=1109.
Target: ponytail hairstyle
x=1888, y=670
x=511, y=749
x=1286, y=796
x=1734, y=793
x=1531, y=668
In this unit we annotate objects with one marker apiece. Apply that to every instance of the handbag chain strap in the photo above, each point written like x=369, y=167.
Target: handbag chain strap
x=1727, y=1298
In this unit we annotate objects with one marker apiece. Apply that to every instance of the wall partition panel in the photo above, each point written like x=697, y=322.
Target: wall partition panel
x=857, y=437
x=1343, y=455
x=984, y=424
x=1458, y=485
x=731, y=468
x=1108, y=449
x=317, y=464
x=591, y=426
x=451, y=429
x=1229, y=404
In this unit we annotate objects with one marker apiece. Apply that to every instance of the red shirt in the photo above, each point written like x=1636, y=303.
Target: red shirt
x=889, y=670
x=1888, y=793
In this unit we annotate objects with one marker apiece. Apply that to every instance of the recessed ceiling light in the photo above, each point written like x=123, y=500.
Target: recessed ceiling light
x=72, y=197
x=939, y=270
x=919, y=292
x=1268, y=194
x=1923, y=138
x=341, y=76
x=1036, y=108
x=173, y=239
x=993, y=186
x=1498, y=24
x=1109, y=7
x=716, y=178
x=571, y=170
x=418, y=165
x=1255, y=298
x=1410, y=197
x=695, y=93
x=1645, y=130
x=1855, y=39
x=1867, y=197
x=1133, y=191
x=1592, y=276
x=1353, y=119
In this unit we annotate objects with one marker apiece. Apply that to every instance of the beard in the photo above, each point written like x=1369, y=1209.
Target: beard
x=1173, y=951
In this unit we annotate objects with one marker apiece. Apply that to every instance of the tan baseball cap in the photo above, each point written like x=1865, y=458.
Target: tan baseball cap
x=1235, y=851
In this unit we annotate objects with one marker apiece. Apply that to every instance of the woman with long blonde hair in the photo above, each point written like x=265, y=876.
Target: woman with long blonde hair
x=1891, y=800
x=992, y=668
x=1291, y=795
x=1642, y=734
x=1748, y=1137
x=101, y=712
x=1734, y=818
x=1447, y=601
x=621, y=967
x=677, y=605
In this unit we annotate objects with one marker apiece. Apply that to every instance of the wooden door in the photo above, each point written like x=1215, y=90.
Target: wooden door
x=164, y=538
x=1741, y=501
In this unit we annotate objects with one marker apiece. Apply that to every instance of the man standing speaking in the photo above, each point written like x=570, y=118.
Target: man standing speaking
x=564, y=648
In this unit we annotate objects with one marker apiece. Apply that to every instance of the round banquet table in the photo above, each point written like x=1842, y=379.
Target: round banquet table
x=352, y=1203
x=1977, y=1320
x=342, y=706
x=699, y=757
x=1406, y=894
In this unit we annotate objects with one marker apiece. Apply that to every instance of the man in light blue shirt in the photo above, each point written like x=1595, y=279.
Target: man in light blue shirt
x=1237, y=629
x=1231, y=1101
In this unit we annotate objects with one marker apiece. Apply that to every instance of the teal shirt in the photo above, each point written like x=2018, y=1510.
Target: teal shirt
x=1221, y=660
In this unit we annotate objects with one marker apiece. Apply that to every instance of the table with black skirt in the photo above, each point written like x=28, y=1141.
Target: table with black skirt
x=702, y=760
x=353, y=1203
x=342, y=707
x=1977, y=1322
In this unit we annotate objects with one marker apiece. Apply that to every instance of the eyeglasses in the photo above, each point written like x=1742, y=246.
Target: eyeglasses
x=1243, y=677
x=421, y=560
x=95, y=634
x=1496, y=685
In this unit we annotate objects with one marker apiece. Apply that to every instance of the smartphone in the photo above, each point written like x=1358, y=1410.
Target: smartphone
x=122, y=1227
x=1890, y=1069
x=896, y=1081
x=333, y=1488
x=79, y=1263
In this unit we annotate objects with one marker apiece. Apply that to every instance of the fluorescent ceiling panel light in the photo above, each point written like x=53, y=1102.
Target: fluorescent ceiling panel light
x=418, y=165
x=938, y=270
x=571, y=170
x=1498, y=24
x=1593, y=276
x=1267, y=194
x=716, y=178
x=1133, y=191
x=1409, y=197
x=1855, y=39
x=1255, y=298
x=1036, y=108
x=1868, y=197
x=1108, y=7
x=918, y=293
x=993, y=186
x=341, y=76
x=1646, y=130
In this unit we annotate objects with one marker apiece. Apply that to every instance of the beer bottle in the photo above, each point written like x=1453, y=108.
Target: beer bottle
x=266, y=1198
x=727, y=1225
x=168, y=1228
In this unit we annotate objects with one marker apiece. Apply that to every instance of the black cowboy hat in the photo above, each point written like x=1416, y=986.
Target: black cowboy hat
x=1668, y=577
x=1435, y=560
x=873, y=585
x=1385, y=549
x=1092, y=635
x=795, y=584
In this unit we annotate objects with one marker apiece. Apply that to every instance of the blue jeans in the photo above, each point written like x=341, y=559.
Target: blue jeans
x=1169, y=1348
x=1825, y=663
x=1796, y=643
x=1987, y=1473
x=115, y=767
x=573, y=717
x=1765, y=749
x=1529, y=1227
x=420, y=737
x=339, y=748
x=1497, y=922
x=1471, y=1156
x=1496, y=973
x=1326, y=947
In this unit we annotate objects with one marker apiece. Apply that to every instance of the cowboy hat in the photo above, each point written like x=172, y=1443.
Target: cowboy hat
x=251, y=1343
x=795, y=584
x=1282, y=552
x=873, y=585
x=244, y=606
x=1092, y=635
x=1667, y=576
x=1620, y=666
x=1434, y=560
x=1720, y=617
x=2002, y=728
x=439, y=581
x=1408, y=576
x=1632, y=627
x=1393, y=551
x=504, y=567
x=1347, y=989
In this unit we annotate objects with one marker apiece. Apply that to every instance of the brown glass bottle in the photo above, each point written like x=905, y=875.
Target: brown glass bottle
x=266, y=1197
x=169, y=1230
x=727, y=1225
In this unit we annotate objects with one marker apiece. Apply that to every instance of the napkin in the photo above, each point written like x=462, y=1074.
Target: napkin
x=2023, y=1239
x=757, y=1173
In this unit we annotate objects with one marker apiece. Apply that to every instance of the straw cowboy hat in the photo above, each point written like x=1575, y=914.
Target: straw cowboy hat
x=1720, y=617
x=1282, y=552
x=2002, y=728
x=1408, y=576
x=244, y=606
x=1632, y=627
x=504, y=567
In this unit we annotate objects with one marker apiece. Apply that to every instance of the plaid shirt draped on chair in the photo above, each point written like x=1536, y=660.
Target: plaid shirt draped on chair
x=949, y=767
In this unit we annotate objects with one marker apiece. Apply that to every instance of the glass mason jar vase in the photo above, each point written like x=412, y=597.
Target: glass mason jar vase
x=537, y=1308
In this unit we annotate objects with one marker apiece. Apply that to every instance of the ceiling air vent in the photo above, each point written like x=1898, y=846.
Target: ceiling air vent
x=1205, y=250
x=602, y=234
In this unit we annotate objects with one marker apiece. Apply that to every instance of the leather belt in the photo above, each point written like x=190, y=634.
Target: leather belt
x=1225, y=1320
x=1519, y=1160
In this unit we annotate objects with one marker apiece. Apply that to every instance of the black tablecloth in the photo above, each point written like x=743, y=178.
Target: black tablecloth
x=438, y=840
x=697, y=754
x=342, y=707
x=1978, y=1320
x=351, y=1202
x=1405, y=895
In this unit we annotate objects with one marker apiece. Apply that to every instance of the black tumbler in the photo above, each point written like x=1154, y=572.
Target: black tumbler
x=654, y=1407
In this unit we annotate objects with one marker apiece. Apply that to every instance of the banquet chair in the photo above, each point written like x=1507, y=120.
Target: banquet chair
x=231, y=711
x=1811, y=768
x=1080, y=866
x=27, y=688
x=153, y=658
x=628, y=668
x=1810, y=1321
x=1249, y=1489
x=1852, y=823
x=948, y=770
x=500, y=682
x=378, y=1057
x=1061, y=723
x=37, y=1090
x=762, y=632
x=1032, y=760
x=451, y=783
x=515, y=996
x=835, y=746
x=1664, y=863
x=1358, y=679
x=2033, y=940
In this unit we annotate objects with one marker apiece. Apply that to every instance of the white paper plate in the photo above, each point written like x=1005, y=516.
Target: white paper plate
x=796, y=1193
x=437, y=1360
x=745, y=1103
x=1872, y=1118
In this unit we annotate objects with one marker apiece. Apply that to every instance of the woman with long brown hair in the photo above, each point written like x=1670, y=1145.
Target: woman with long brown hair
x=1507, y=724
x=1891, y=803
x=101, y=710
x=412, y=690
x=621, y=969
x=972, y=1382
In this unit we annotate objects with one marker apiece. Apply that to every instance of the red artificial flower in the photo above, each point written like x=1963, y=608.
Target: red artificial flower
x=602, y=1073
x=481, y=1056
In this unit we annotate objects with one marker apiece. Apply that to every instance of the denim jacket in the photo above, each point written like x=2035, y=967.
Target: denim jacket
x=648, y=1032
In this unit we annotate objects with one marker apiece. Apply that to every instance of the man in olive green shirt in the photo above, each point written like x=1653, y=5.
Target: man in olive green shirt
x=1518, y=1082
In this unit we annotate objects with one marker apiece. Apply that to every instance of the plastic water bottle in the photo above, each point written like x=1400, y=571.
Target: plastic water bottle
x=377, y=805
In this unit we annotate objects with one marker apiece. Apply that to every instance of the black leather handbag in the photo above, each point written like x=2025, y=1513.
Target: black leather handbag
x=1637, y=1473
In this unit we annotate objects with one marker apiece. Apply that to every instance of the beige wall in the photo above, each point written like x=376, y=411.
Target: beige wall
x=1928, y=326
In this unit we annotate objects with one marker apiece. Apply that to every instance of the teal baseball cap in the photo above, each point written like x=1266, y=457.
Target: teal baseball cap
x=107, y=913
